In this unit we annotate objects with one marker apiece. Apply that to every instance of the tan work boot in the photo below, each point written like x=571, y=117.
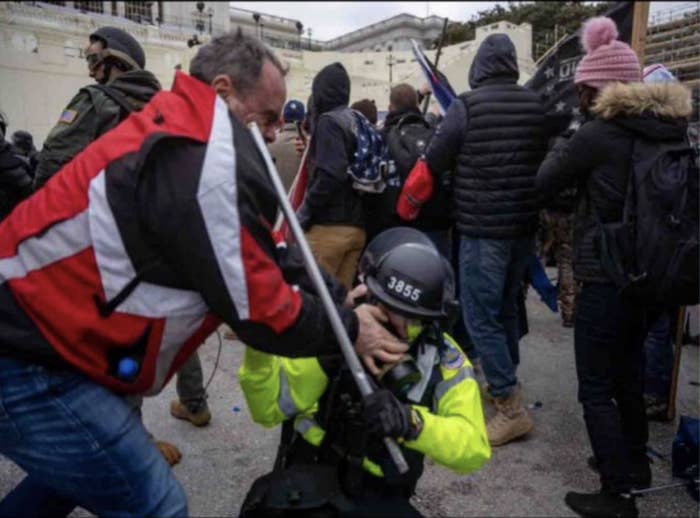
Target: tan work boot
x=169, y=451
x=485, y=394
x=511, y=420
x=200, y=418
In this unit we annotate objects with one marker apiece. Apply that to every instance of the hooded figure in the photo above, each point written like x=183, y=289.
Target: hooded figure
x=332, y=211
x=493, y=137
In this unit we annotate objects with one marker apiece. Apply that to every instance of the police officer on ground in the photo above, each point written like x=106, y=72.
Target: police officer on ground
x=331, y=459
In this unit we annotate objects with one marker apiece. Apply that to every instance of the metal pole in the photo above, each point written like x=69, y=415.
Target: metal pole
x=664, y=486
x=426, y=102
x=341, y=334
x=677, y=353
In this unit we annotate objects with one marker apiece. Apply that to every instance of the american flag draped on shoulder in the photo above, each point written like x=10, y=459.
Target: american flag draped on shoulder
x=443, y=92
x=554, y=78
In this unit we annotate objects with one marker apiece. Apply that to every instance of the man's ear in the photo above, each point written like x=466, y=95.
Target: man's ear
x=222, y=85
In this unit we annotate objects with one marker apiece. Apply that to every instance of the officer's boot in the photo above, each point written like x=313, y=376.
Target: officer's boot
x=511, y=420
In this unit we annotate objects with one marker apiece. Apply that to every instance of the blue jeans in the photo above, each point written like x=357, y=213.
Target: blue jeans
x=658, y=358
x=491, y=273
x=80, y=444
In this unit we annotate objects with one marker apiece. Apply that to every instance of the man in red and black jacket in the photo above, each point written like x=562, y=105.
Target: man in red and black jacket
x=120, y=267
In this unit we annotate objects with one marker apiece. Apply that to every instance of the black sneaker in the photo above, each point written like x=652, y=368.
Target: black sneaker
x=602, y=505
x=640, y=476
x=656, y=409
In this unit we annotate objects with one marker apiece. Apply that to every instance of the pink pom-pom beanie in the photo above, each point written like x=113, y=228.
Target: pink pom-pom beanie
x=607, y=59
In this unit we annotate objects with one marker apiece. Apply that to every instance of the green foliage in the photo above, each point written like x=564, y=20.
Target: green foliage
x=550, y=21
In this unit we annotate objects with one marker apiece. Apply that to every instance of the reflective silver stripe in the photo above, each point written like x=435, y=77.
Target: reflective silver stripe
x=217, y=196
x=60, y=241
x=117, y=270
x=304, y=424
x=285, y=401
x=175, y=333
x=445, y=385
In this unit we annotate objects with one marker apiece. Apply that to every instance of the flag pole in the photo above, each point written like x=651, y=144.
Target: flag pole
x=640, y=20
x=435, y=64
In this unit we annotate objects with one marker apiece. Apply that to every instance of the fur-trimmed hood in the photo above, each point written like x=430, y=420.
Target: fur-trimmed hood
x=664, y=100
x=657, y=111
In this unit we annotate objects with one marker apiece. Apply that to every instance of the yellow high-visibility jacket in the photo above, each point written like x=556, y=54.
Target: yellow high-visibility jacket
x=453, y=434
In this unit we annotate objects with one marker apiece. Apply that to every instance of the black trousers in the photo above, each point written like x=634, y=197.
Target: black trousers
x=608, y=340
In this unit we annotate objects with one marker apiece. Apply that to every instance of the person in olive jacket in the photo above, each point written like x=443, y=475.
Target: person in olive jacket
x=116, y=62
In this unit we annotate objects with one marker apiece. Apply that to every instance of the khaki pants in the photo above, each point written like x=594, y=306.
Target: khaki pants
x=337, y=249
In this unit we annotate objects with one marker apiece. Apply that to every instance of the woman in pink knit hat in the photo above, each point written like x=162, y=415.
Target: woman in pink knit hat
x=609, y=329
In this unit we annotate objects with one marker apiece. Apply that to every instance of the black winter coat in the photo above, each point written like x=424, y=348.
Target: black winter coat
x=330, y=198
x=15, y=178
x=598, y=159
x=495, y=136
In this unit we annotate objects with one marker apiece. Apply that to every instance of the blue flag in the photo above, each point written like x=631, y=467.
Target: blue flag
x=443, y=92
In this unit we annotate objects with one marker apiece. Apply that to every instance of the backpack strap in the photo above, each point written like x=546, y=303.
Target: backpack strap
x=117, y=97
x=412, y=118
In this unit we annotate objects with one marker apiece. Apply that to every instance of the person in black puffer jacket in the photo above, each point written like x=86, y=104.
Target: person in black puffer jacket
x=331, y=213
x=610, y=330
x=494, y=137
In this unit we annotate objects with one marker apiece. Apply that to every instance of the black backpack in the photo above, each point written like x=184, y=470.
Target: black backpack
x=652, y=255
x=406, y=141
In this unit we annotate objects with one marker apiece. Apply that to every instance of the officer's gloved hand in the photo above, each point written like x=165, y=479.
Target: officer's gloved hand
x=386, y=416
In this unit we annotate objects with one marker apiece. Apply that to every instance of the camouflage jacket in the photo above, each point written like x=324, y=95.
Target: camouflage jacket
x=91, y=113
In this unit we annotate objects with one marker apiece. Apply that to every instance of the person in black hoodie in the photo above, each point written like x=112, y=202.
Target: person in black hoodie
x=331, y=213
x=610, y=330
x=116, y=61
x=494, y=138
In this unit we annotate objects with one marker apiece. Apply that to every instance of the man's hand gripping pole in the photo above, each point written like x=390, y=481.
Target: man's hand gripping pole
x=346, y=347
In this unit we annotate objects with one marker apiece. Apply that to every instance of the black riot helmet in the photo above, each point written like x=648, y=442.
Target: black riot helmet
x=403, y=270
x=121, y=46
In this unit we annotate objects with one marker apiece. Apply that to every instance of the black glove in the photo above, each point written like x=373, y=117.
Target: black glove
x=386, y=416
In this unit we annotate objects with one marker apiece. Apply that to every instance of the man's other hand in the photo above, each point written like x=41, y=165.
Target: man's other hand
x=374, y=342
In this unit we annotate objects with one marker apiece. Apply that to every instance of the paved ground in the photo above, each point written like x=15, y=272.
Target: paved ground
x=528, y=478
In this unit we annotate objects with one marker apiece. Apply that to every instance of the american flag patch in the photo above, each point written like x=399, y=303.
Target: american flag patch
x=68, y=116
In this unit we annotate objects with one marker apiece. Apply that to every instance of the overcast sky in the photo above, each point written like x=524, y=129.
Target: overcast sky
x=331, y=19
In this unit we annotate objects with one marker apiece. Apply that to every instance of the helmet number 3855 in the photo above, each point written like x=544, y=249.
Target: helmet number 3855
x=403, y=288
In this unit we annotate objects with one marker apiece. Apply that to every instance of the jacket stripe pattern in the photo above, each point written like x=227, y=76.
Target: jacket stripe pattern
x=68, y=251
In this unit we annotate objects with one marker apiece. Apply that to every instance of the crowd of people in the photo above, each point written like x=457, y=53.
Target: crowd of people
x=148, y=219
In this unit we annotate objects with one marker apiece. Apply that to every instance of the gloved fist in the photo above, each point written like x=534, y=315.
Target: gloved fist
x=386, y=416
x=417, y=189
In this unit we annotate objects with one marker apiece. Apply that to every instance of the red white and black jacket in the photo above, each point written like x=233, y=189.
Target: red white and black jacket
x=150, y=237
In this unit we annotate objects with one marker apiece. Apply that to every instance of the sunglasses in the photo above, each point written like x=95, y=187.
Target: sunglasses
x=93, y=60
